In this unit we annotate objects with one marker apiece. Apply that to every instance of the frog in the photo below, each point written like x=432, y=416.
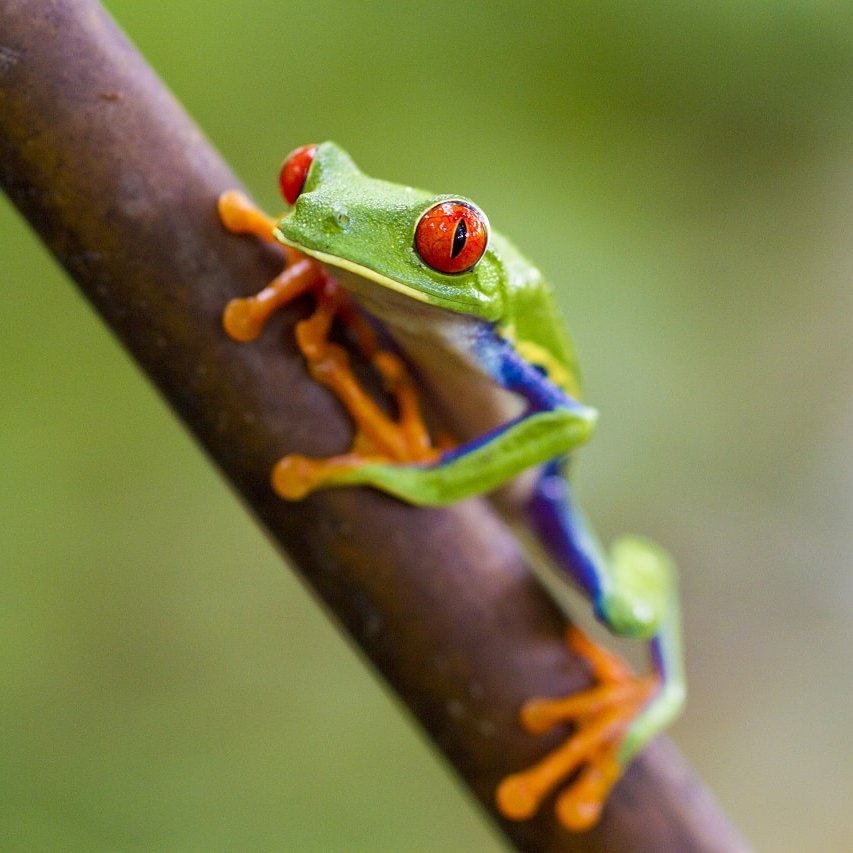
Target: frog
x=436, y=299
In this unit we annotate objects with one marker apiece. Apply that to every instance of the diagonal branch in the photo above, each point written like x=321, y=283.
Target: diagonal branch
x=121, y=187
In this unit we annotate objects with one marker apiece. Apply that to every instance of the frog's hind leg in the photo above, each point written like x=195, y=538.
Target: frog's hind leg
x=633, y=590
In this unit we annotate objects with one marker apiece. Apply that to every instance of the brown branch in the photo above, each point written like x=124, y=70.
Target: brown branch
x=121, y=186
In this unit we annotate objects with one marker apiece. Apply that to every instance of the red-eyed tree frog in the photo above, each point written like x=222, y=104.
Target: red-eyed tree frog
x=479, y=327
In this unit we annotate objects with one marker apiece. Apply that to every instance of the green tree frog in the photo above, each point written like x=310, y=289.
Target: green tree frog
x=477, y=325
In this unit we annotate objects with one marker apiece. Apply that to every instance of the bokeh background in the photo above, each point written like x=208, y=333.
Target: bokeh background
x=682, y=171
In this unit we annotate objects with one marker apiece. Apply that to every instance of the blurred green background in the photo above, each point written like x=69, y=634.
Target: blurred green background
x=682, y=171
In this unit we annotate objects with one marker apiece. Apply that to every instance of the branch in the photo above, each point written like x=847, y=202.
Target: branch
x=121, y=186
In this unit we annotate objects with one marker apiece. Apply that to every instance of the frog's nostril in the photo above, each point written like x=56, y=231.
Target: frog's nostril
x=340, y=218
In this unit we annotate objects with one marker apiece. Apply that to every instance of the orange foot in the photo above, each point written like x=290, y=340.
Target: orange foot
x=602, y=716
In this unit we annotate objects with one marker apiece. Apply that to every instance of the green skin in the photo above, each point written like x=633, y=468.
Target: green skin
x=363, y=230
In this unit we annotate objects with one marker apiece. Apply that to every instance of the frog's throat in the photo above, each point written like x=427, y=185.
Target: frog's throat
x=357, y=269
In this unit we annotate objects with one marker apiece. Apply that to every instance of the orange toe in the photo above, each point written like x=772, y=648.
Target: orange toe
x=602, y=716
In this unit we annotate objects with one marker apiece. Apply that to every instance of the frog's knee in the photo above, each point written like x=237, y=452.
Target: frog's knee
x=639, y=591
x=629, y=615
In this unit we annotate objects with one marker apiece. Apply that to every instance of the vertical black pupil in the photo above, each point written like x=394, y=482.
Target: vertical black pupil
x=460, y=235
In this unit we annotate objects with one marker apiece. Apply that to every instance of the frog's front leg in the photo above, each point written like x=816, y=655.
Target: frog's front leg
x=553, y=425
x=633, y=591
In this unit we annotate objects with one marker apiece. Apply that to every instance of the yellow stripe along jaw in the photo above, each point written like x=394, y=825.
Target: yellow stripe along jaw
x=357, y=269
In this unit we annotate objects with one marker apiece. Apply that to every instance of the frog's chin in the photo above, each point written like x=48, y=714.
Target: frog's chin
x=394, y=307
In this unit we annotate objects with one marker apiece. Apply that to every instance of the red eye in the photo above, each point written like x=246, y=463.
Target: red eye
x=451, y=236
x=291, y=179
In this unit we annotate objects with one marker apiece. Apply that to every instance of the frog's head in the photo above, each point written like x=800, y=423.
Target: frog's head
x=432, y=248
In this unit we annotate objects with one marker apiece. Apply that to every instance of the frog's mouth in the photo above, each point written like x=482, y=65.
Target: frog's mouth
x=444, y=301
x=356, y=269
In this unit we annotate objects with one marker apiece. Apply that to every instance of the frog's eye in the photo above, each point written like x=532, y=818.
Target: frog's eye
x=291, y=179
x=451, y=236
